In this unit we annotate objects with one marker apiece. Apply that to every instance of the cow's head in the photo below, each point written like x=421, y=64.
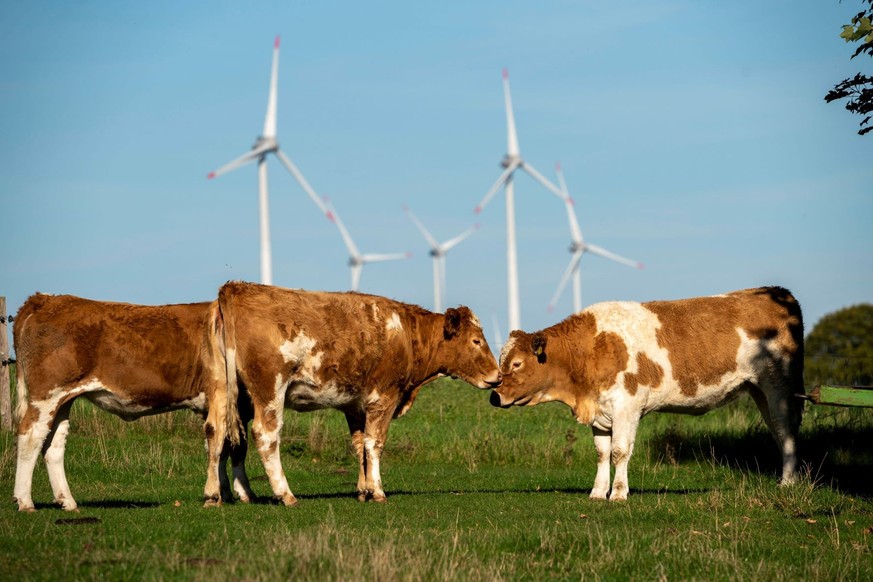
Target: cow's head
x=528, y=376
x=467, y=354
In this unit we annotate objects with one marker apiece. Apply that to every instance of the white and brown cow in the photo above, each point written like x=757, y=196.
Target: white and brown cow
x=364, y=355
x=130, y=360
x=615, y=362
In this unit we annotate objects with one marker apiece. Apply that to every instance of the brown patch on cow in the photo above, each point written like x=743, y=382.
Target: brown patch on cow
x=270, y=421
x=648, y=374
x=210, y=431
x=702, y=337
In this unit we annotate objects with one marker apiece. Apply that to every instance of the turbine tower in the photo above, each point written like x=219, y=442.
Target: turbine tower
x=266, y=144
x=579, y=247
x=438, y=251
x=513, y=161
x=357, y=259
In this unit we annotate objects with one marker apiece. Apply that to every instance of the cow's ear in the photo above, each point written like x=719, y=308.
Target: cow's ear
x=538, y=346
x=452, y=325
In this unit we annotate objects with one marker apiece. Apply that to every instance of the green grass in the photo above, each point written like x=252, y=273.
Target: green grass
x=474, y=493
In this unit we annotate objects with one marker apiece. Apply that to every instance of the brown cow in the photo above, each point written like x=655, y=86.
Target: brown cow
x=130, y=360
x=364, y=355
x=615, y=362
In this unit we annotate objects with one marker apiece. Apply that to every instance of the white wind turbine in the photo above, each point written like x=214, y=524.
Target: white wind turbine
x=267, y=144
x=579, y=247
x=357, y=259
x=438, y=252
x=512, y=161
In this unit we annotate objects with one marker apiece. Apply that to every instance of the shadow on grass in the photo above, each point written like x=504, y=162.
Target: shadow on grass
x=479, y=491
x=837, y=457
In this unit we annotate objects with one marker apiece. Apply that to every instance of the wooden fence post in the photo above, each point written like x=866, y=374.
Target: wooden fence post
x=5, y=392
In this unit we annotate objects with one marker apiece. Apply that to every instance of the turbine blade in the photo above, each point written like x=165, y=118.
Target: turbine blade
x=289, y=165
x=237, y=162
x=430, y=239
x=453, y=242
x=574, y=264
x=541, y=179
x=596, y=250
x=378, y=257
x=511, y=135
x=270, y=118
x=500, y=181
x=332, y=216
x=575, y=231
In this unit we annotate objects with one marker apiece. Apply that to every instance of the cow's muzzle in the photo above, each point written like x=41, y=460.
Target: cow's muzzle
x=496, y=400
x=495, y=383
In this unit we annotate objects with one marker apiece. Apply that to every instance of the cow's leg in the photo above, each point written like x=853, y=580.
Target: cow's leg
x=603, y=444
x=53, y=450
x=378, y=420
x=624, y=432
x=356, y=430
x=265, y=432
x=240, y=477
x=35, y=425
x=217, y=487
x=775, y=406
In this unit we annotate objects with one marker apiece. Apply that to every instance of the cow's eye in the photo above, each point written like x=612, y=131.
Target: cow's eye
x=516, y=365
x=477, y=342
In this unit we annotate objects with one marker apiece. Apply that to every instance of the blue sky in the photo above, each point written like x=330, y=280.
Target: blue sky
x=693, y=136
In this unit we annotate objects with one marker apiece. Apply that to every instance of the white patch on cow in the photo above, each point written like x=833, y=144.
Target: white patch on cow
x=475, y=320
x=375, y=309
x=507, y=347
x=300, y=352
x=394, y=323
x=298, y=349
x=373, y=397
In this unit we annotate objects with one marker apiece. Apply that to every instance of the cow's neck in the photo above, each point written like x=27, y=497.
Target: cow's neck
x=430, y=358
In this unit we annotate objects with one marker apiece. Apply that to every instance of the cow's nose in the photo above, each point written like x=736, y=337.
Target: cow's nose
x=494, y=399
x=495, y=383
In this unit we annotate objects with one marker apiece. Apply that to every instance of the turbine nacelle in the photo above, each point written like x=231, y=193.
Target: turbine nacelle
x=266, y=145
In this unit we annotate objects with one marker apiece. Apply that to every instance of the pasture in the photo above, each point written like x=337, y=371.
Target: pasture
x=474, y=492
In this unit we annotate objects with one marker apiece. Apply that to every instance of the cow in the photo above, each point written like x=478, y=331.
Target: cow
x=364, y=355
x=130, y=360
x=615, y=362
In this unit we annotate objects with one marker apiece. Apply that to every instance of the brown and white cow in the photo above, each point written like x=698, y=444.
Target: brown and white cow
x=364, y=355
x=130, y=360
x=615, y=362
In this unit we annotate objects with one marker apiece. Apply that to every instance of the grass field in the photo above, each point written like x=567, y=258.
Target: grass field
x=475, y=493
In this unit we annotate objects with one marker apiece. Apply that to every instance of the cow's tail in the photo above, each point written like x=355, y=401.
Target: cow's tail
x=20, y=392
x=235, y=426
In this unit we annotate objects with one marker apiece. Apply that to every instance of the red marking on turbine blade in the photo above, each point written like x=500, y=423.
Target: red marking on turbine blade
x=407, y=254
x=477, y=210
x=550, y=308
x=505, y=73
x=571, y=201
x=330, y=216
x=558, y=166
x=477, y=226
x=404, y=207
x=276, y=43
x=210, y=175
x=640, y=266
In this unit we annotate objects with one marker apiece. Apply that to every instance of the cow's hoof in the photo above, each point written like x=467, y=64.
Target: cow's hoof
x=212, y=503
x=598, y=496
x=288, y=500
x=30, y=509
x=362, y=496
x=379, y=498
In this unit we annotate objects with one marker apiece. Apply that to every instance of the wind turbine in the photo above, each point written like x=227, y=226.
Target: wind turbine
x=512, y=161
x=266, y=144
x=579, y=247
x=438, y=252
x=357, y=260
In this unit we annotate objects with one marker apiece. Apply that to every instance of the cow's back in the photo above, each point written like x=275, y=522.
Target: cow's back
x=349, y=335
x=147, y=354
x=694, y=354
